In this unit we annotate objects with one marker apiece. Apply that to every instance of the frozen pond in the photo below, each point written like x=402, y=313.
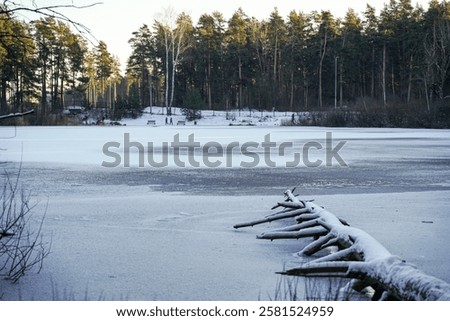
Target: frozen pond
x=166, y=233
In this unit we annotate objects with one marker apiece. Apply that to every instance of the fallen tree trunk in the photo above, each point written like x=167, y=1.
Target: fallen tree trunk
x=359, y=256
x=15, y=115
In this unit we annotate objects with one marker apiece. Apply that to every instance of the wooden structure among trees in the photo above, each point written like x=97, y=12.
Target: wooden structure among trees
x=352, y=253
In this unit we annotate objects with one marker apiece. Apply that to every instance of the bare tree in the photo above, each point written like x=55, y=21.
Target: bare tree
x=180, y=44
x=22, y=247
x=173, y=29
x=163, y=23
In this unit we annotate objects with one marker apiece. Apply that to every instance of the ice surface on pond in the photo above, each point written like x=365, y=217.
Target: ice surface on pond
x=87, y=145
x=166, y=234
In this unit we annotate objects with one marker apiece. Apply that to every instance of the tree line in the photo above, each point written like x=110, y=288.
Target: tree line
x=395, y=64
x=46, y=65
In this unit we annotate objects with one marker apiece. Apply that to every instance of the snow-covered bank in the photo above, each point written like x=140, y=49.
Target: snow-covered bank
x=245, y=117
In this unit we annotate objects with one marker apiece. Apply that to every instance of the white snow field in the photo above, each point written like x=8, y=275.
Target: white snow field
x=146, y=233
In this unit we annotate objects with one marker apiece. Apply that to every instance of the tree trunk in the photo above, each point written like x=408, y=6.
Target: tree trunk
x=3, y=102
x=305, y=89
x=275, y=72
x=209, y=83
x=393, y=81
x=291, y=102
x=372, y=83
x=383, y=75
x=174, y=67
x=341, y=83
x=61, y=90
x=44, y=90
x=150, y=89
x=427, y=98
x=335, y=82
x=322, y=57
x=410, y=78
x=239, y=100
x=166, y=94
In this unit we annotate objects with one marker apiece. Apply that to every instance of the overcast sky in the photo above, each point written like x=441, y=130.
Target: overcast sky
x=113, y=21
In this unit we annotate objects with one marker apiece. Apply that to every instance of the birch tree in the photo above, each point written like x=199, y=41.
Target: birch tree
x=175, y=40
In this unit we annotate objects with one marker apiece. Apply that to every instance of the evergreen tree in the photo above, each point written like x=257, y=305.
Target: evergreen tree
x=325, y=41
x=140, y=64
x=277, y=33
x=104, y=69
x=350, y=75
x=298, y=28
x=16, y=65
x=236, y=37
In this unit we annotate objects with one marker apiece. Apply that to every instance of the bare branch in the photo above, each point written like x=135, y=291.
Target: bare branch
x=9, y=8
x=273, y=218
x=307, y=232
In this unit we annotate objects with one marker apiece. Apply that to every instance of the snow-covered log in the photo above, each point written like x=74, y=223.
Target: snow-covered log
x=358, y=257
x=14, y=115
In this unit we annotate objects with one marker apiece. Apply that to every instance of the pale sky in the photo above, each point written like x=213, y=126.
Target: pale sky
x=113, y=21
